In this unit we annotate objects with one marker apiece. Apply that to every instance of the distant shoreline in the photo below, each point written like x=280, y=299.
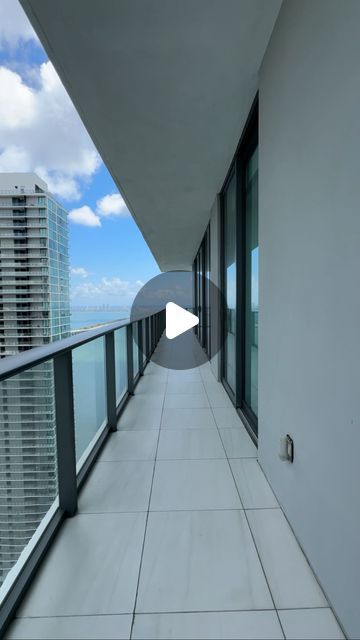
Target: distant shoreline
x=87, y=318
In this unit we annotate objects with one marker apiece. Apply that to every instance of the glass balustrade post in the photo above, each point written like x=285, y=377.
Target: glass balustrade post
x=65, y=433
x=110, y=381
x=130, y=358
x=147, y=338
x=140, y=346
x=152, y=334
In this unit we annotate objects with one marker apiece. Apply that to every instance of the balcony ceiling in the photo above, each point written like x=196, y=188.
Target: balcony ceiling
x=163, y=88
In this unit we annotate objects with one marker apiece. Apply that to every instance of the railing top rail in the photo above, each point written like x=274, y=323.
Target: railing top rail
x=12, y=365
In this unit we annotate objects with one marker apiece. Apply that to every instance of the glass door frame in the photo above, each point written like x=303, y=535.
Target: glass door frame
x=232, y=175
x=207, y=293
x=247, y=145
x=201, y=286
x=201, y=295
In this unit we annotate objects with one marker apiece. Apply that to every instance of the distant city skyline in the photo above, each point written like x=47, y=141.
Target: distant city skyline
x=42, y=132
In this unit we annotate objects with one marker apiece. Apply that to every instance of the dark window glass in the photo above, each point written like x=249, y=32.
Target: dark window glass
x=230, y=282
x=251, y=283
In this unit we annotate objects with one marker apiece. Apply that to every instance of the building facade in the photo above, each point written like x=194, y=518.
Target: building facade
x=34, y=310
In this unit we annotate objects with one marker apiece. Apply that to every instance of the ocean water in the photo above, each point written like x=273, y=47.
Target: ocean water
x=81, y=319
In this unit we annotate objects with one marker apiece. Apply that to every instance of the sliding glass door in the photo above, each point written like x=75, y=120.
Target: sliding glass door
x=251, y=297
x=207, y=273
x=240, y=276
x=229, y=283
x=199, y=294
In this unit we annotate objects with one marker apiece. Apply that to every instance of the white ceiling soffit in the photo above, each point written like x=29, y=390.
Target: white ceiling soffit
x=164, y=88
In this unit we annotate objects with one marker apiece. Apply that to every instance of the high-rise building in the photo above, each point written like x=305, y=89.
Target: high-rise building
x=34, y=310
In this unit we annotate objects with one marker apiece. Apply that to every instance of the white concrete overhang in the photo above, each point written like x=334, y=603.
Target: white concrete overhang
x=164, y=88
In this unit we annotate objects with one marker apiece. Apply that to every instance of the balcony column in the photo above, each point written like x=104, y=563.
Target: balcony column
x=110, y=381
x=129, y=358
x=65, y=433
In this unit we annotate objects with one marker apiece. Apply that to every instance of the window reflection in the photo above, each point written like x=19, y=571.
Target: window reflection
x=251, y=283
x=230, y=282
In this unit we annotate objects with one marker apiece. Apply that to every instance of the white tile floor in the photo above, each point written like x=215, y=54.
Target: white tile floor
x=178, y=533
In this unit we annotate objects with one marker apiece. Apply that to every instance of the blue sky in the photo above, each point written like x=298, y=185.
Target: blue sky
x=40, y=131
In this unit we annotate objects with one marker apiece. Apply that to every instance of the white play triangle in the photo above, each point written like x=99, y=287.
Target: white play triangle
x=178, y=320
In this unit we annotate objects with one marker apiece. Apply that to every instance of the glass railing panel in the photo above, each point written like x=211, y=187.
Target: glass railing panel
x=120, y=363
x=28, y=459
x=135, y=349
x=89, y=392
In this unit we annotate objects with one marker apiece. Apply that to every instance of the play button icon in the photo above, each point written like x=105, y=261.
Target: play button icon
x=178, y=320
x=173, y=293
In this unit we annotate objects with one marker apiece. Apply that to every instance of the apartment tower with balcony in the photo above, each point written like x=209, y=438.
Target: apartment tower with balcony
x=34, y=310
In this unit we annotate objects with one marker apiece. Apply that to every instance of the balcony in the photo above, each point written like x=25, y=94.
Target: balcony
x=175, y=531
x=238, y=160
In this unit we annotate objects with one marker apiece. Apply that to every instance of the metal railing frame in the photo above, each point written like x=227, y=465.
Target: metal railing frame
x=69, y=480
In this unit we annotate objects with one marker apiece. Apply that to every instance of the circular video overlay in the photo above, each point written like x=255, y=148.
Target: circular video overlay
x=190, y=319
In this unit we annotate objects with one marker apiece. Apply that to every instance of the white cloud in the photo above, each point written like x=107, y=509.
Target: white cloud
x=14, y=25
x=12, y=158
x=41, y=131
x=112, y=205
x=60, y=183
x=107, y=287
x=85, y=216
x=79, y=271
x=17, y=101
x=109, y=205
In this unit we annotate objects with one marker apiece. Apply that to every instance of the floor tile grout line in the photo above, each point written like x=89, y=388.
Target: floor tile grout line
x=196, y=459
x=136, y=429
x=74, y=615
x=251, y=533
x=155, y=613
x=147, y=517
x=269, y=609
x=172, y=510
x=183, y=429
x=173, y=459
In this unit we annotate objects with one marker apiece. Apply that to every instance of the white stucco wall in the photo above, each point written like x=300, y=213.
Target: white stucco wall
x=309, y=334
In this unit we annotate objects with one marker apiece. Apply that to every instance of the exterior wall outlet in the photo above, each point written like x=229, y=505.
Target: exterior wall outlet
x=286, y=452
